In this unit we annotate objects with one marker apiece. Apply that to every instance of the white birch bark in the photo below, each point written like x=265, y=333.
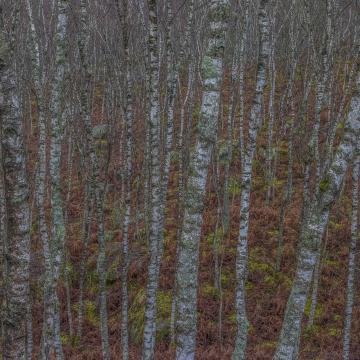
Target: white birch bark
x=48, y=326
x=237, y=83
x=40, y=192
x=323, y=96
x=128, y=110
x=313, y=230
x=188, y=254
x=58, y=225
x=160, y=217
x=52, y=247
x=187, y=103
x=155, y=183
x=58, y=230
x=242, y=82
x=168, y=136
x=347, y=86
x=272, y=80
x=254, y=126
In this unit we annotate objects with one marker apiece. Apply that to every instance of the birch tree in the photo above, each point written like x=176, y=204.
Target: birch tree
x=130, y=129
x=255, y=122
x=53, y=244
x=96, y=184
x=58, y=225
x=313, y=231
x=89, y=152
x=188, y=253
x=17, y=241
x=39, y=79
x=128, y=110
x=155, y=182
x=352, y=254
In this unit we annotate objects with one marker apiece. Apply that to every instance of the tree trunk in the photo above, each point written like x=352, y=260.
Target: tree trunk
x=58, y=225
x=313, y=231
x=188, y=254
x=17, y=249
x=156, y=198
x=352, y=255
x=128, y=109
x=254, y=126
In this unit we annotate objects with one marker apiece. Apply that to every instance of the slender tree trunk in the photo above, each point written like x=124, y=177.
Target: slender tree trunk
x=94, y=179
x=242, y=64
x=291, y=124
x=101, y=269
x=89, y=156
x=170, y=98
x=352, y=255
x=48, y=326
x=155, y=184
x=323, y=96
x=254, y=126
x=67, y=260
x=236, y=87
x=53, y=247
x=17, y=242
x=40, y=192
x=313, y=231
x=128, y=109
x=188, y=255
x=3, y=238
x=272, y=80
x=88, y=208
x=345, y=93
x=58, y=225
